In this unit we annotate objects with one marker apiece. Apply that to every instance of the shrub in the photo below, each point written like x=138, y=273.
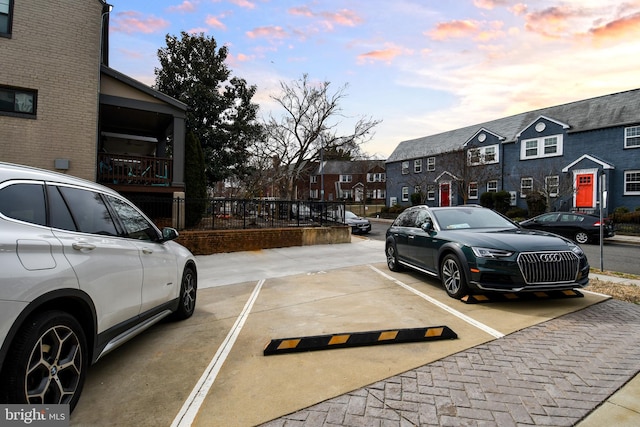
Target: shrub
x=537, y=203
x=502, y=201
x=516, y=213
x=486, y=200
x=416, y=199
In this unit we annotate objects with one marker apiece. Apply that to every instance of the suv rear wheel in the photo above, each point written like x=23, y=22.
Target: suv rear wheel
x=47, y=362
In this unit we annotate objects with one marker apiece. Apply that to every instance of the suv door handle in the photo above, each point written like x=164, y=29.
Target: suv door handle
x=83, y=245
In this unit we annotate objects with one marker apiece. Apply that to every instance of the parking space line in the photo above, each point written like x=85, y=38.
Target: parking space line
x=192, y=405
x=445, y=307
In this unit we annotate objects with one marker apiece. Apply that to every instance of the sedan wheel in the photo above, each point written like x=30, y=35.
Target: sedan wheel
x=48, y=361
x=453, y=277
x=392, y=258
x=582, y=237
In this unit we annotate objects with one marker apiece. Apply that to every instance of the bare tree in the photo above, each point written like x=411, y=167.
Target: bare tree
x=468, y=167
x=308, y=127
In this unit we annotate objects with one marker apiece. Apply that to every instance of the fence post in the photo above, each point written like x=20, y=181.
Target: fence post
x=177, y=210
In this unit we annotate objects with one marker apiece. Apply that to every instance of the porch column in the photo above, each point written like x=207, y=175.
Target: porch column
x=178, y=151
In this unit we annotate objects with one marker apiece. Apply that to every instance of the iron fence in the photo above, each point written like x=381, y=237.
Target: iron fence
x=221, y=214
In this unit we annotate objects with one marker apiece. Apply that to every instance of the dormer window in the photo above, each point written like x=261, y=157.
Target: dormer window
x=547, y=146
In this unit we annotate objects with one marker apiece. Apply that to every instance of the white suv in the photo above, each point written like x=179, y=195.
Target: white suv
x=82, y=270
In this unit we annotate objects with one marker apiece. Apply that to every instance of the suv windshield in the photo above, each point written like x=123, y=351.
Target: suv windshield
x=469, y=218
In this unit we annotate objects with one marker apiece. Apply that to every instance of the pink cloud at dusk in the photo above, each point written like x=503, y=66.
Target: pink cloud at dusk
x=215, y=22
x=134, y=22
x=490, y=4
x=383, y=55
x=185, y=7
x=270, y=32
x=628, y=26
x=344, y=17
x=244, y=3
x=453, y=29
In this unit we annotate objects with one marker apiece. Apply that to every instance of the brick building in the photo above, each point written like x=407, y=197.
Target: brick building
x=355, y=181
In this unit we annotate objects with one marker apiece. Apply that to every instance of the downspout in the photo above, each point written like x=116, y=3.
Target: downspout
x=103, y=58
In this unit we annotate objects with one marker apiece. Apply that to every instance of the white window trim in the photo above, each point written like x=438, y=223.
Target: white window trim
x=417, y=166
x=540, y=147
x=550, y=186
x=630, y=193
x=493, y=189
x=405, y=168
x=523, y=193
x=431, y=164
x=475, y=183
x=636, y=130
x=482, y=154
x=431, y=192
x=405, y=194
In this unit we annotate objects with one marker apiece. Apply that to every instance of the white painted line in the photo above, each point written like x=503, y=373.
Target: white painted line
x=192, y=405
x=445, y=307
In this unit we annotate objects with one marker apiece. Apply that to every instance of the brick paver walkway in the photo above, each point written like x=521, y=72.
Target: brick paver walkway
x=551, y=374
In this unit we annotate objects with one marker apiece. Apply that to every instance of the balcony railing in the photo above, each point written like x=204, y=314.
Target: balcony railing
x=134, y=170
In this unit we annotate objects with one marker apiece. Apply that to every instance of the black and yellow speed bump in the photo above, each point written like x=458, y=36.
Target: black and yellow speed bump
x=357, y=339
x=521, y=296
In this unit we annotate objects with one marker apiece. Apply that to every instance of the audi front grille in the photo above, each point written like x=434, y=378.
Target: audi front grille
x=548, y=267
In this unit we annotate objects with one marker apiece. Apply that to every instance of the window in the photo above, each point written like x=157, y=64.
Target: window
x=526, y=185
x=405, y=194
x=473, y=190
x=313, y=194
x=431, y=164
x=482, y=155
x=135, y=225
x=346, y=194
x=24, y=202
x=632, y=137
x=417, y=189
x=376, y=194
x=376, y=177
x=16, y=100
x=6, y=12
x=405, y=168
x=632, y=183
x=431, y=192
x=89, y=212
x=492, y=186
x=549, y=146
x=345, y=178
x=314, y=179
x=417, y=166
x=551, y=184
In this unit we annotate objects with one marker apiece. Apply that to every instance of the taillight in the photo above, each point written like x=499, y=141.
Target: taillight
x=596, y=224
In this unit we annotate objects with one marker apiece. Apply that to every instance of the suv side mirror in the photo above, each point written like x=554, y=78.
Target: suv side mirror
x=169, y=233
x=427, y=226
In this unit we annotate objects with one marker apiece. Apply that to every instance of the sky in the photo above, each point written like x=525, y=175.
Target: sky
x=421, y=67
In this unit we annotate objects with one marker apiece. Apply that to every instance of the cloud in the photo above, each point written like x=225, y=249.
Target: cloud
x=134, y=22
x=384, y=55
x=552, y=22
x=628, y=26
x=185, y=7
x=454, y=29
x=329, y=20
x=244, y=3
x=215, y=22
x=490, y=4
x=269, y=32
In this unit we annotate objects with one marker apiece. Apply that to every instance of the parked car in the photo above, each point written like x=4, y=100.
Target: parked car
x=358, y=224
x=83, y=271
x=582, y=228
x=474, y=249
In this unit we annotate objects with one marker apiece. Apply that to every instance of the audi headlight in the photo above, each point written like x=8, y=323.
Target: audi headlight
x=576, y=250
x=491, y=253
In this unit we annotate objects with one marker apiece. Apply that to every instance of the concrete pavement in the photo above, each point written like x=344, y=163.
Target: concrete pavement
x=578, y=369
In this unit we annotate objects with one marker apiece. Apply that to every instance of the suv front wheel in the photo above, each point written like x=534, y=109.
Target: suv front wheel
x=47, y=363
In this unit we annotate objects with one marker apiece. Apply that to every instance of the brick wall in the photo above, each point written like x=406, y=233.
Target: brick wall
x=53, y=49
x=220, y=241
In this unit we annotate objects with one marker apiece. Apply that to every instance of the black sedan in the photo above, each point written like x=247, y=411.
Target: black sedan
x=582, y=228
x=473, y=248
x=358, y=224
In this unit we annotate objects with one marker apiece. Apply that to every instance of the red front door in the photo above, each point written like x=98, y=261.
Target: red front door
x=445, y=199
x=584, y=191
